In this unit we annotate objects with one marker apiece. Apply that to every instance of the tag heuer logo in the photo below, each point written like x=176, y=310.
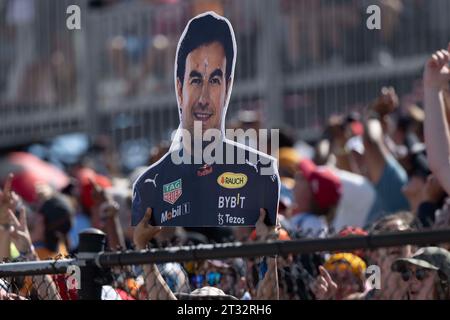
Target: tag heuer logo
x=172, y=191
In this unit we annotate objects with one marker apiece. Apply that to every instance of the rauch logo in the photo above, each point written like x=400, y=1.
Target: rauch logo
x=230, y=180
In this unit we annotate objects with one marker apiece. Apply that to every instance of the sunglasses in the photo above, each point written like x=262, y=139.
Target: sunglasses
x=420, y=274
x=212, y=278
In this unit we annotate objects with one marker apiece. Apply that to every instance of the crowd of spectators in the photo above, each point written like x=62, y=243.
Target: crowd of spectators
x=375, y=172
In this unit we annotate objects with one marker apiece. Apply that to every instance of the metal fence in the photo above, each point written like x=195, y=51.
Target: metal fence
x=298, y=62
x=239, y=270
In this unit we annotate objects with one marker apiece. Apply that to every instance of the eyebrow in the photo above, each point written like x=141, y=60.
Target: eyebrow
x=195, y=74
x=216, y=72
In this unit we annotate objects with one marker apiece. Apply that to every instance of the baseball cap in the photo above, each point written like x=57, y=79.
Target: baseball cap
x=354, y=231
x=346, y=261
x=287, y=160
x=351, y=230
x=84, y=176
x=205, y=293
x=357, y=128
x=433, y=258
x=325, y=185
x=57, y=212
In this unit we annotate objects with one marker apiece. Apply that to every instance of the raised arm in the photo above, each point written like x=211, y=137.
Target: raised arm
x=437, y=136
x=5, y=238
x=376, y=150
x=106, y=217
x=20, y=236
x=6, y=205
x=268, y=286
x=155, y=284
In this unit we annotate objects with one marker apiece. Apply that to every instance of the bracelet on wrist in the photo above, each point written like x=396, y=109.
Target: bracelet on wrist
x=5, y=227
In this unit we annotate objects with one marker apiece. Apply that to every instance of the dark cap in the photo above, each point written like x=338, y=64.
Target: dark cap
x=57, y=213
x=433, y=258
x=206, y=293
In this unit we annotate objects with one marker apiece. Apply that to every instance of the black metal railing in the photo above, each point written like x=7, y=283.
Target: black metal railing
x=95, y=264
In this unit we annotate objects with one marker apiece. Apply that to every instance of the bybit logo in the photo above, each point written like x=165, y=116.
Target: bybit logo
x=231, y=202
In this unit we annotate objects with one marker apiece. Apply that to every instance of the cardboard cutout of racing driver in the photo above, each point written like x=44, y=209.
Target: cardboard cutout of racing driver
x=186, y=187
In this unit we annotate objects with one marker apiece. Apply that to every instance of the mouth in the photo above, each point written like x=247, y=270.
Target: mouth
x=202, y=116
x=413, y=293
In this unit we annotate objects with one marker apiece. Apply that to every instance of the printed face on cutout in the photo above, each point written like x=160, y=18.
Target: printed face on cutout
x=203, y=92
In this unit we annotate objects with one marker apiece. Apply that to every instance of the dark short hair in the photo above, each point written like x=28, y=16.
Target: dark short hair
x=380, y=225
x=201, y=31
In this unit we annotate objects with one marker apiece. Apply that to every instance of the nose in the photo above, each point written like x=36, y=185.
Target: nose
x=414, y=283
x=203, y=101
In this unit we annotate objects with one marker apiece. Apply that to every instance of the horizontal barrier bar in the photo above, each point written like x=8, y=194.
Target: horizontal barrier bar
x=229, y=250
x=237, y=249
x=15, y=269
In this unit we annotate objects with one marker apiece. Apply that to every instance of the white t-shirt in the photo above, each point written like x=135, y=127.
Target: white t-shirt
x=358, y=196
x=108, y=293
x=310, y=225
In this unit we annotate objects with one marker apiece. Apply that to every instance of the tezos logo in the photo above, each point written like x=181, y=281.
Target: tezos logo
x=230, y=180
x=229, y=219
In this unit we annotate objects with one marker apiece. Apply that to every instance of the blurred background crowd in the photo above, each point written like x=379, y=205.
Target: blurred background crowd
x=84, y=112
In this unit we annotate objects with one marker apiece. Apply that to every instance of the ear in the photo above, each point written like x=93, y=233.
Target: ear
x=180, y=92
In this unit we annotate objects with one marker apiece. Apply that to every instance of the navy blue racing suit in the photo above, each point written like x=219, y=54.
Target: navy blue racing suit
x=193, y=195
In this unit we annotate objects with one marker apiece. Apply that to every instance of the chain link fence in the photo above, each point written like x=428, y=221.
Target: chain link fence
x=350, y=267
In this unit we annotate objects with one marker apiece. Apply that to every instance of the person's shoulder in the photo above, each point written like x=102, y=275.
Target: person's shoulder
x=152, y=172
x=249, y=152
x=393, y=168
x=263, y=163
x=352, y=178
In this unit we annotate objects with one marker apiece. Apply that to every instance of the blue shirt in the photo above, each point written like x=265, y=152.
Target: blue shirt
x=390, y=198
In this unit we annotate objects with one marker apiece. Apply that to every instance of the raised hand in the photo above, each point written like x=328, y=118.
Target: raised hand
x=98, y=193
x=387, y=101
x=437, y=71
x=144, y=232
x=324, y=287
x=8, y=201
x=433, y=190
x=263, y=231
x=442, y=219
x=20, y=234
